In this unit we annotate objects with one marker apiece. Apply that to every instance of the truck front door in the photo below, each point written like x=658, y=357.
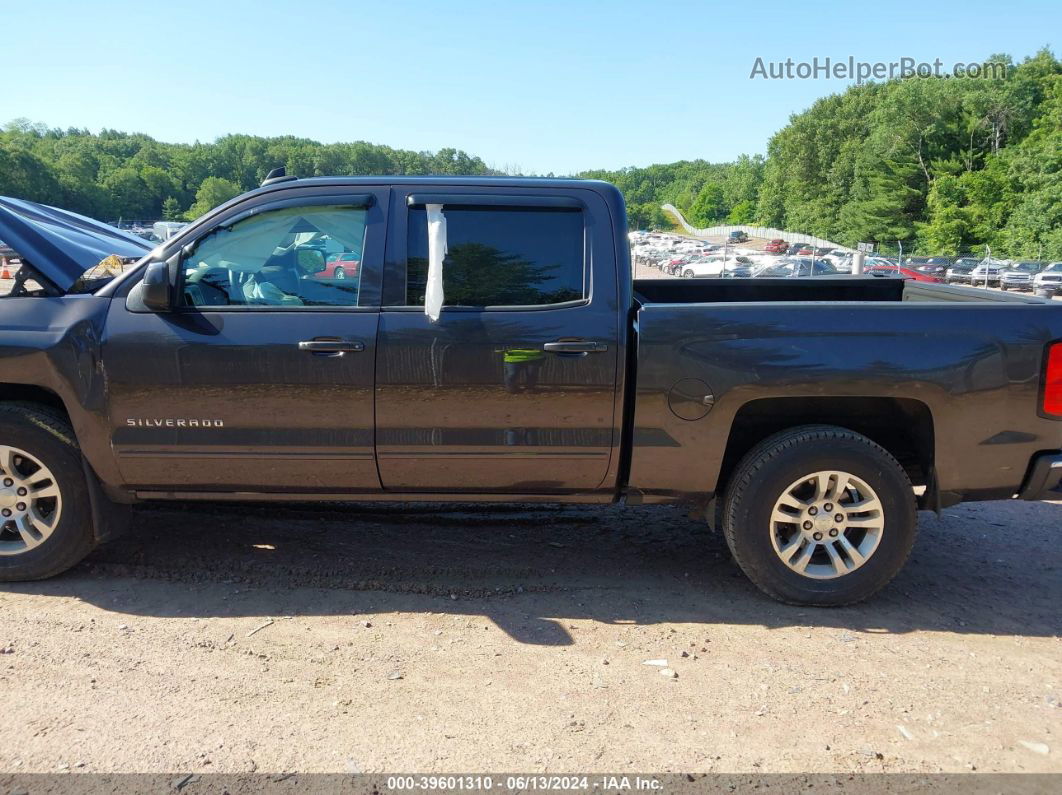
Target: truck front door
x=261, y=379
x=513, y=389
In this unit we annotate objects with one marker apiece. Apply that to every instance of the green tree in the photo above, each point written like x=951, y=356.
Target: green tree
x=171, y=210
x=709, y=207
x=742, y=213
x=211, y=193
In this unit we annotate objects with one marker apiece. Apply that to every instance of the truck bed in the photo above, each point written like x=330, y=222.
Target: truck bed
x=874, y=354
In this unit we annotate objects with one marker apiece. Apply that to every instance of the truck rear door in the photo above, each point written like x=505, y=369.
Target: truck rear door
x=514, y=388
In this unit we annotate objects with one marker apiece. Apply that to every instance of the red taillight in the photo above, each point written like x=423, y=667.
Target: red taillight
x=1053, y=383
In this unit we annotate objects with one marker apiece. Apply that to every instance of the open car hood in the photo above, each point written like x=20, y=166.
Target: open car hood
x=61, y=245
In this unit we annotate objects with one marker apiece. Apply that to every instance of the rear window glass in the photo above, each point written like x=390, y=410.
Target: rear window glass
x=501, y=256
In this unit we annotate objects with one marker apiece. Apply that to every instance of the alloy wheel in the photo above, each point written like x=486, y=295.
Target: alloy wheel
x=30, y=501
x=827, y=524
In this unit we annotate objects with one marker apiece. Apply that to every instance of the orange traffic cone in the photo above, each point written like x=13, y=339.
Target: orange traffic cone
x=5, y=273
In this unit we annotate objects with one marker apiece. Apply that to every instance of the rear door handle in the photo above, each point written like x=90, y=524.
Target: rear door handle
x=575, y=346
x=332, y=345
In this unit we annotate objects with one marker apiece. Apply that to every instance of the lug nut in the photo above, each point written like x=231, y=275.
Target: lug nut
x=833, y=533
x=21, y=506
x=6, y=512
x=827, y=507
x=807, y=525
x=838, y=518
x=22, y=492
x=817, y=536
x=9, y=482
x=813, y=510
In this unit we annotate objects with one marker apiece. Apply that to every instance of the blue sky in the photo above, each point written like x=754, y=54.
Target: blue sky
x=543, y=86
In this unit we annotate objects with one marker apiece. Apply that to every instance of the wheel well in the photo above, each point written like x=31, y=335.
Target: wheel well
x=25, y=393
x=902, y=426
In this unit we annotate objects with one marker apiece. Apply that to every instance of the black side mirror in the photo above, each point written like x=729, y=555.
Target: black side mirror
x=157, y=293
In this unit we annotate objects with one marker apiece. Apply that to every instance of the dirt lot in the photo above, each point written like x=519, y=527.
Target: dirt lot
x=459, y=639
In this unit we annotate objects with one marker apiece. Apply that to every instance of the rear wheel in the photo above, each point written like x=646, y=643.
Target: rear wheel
x=819, y=515
x=687, y=274
x=45, y=525
x=340, y=273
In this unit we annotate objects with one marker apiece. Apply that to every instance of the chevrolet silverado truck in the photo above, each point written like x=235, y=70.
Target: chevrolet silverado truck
x=495, y=348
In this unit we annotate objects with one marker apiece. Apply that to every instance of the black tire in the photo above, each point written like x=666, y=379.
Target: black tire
x=43, y=434
x=766, y=472
x=340, y=273
x=687, y=274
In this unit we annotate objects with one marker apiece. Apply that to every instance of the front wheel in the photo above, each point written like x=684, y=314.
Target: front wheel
x=819, y=516
x=45, y=525
x=340, y=273
x=687, y=274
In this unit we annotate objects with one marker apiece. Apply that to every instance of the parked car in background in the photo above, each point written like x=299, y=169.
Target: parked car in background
x=795, y=268
x=841, y=261
x=987, y=273
x=737, y=236
x=959, y=272
x=341, y=265
x=672, y=264
x=903, y=272
x=1019, y=276
x=934, y=266
x=840, y=258
x=1051, y=276
x=716, y=266
x=776, y=246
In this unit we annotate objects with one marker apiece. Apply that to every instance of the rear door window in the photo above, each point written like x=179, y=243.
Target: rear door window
x=501, y=256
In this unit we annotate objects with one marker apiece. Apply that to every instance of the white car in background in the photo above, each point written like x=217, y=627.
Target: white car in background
x=987, y=273
x=841, y=260
x=716, y=266
x=1051, y=276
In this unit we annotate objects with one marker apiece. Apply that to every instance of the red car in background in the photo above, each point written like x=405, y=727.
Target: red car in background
x=905, y=273
x=344, y=265
x=776, y=246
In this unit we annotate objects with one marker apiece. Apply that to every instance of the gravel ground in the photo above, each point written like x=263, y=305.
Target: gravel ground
x=461, y=639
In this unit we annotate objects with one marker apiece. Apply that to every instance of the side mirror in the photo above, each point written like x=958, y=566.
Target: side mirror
x=157, y=293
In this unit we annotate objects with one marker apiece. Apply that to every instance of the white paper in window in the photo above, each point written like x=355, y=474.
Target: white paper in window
x=433, y=295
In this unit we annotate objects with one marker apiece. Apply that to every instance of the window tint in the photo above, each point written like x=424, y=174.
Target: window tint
x=291, y=257
x=501, y=256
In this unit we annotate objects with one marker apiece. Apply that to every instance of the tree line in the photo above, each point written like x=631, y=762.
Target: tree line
x=122, y=175
x=944, y=164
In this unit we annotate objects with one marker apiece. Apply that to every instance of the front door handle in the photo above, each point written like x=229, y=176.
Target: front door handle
x=575, y=346
x=331, y=345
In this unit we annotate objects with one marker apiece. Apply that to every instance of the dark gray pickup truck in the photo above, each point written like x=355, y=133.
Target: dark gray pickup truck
x=473, y=339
